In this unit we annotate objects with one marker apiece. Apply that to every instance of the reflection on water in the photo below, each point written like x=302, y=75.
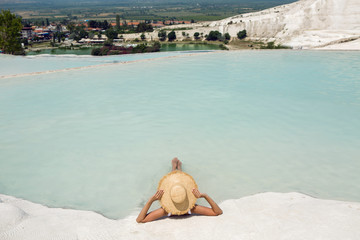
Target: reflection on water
x=164, y=48
x=188, y=47
x=60, y=51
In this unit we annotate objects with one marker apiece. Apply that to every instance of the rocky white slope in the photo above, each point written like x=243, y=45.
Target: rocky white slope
x=290, y=216
x=303, y=24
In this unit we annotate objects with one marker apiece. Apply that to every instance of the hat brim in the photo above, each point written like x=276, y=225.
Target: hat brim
x=167, y=182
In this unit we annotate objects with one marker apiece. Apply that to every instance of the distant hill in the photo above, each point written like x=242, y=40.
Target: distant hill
x=137, y=2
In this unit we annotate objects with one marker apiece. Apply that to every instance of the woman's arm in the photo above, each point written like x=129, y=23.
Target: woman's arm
x=215, y=210
x=158, y=213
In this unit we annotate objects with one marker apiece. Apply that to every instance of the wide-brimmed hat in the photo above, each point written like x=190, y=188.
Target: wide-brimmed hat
x=178, y=198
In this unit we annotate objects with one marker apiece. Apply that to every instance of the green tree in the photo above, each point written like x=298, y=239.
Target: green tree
x=213, y=36
x=144, y=27
x=83, y=33
x=58, y=27
x=10, y=27
x=58, y=36
x=91, y=34
x=78, y=33
x=111, y=33
x=109, y=42
x=227, y=36
x=71, y=27
x=96, y=52
x=142, y=36
x=92, y=24
x=171, y=36
x=196, y=35
x=117, y=22
x=162, y=35
x=241, y=34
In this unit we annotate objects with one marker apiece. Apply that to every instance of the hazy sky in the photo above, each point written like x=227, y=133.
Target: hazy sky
x=144, y=1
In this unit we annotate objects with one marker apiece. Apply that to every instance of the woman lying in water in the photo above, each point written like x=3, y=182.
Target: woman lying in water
x=177, y=193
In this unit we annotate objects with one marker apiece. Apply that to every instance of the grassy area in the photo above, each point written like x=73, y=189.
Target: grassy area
x=243, y=44
x=40, y=45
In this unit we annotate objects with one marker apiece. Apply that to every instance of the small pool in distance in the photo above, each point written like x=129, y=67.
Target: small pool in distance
x=165, y=47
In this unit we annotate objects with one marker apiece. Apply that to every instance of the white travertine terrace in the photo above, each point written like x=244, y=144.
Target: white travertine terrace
x=290, y=216
x=314, y=24
x=302, y=24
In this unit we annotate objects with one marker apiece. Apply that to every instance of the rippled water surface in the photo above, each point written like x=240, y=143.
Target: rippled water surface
x=12, y=65
x=242, y=123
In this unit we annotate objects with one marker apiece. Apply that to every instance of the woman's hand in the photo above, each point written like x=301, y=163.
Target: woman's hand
x=213, y=211
x=197, y=193
x=157, y=195
x=158, y=213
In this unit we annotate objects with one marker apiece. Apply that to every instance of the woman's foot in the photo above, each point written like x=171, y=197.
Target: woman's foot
x=174, y=164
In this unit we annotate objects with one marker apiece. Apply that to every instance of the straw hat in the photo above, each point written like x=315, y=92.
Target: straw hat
x=178, y=198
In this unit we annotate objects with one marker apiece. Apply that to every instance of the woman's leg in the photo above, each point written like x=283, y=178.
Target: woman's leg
x=174, y=164
x=179, y=165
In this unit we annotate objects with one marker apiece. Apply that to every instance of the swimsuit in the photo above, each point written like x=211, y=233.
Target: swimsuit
x=189, y=212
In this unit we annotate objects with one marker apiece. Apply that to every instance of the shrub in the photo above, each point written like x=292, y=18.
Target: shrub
x=213, y=36
x=227, y=36
x=171, y=36
x=96, y=52
x=139, y=48
x=105, y=51
x=114, y=52
x=196, y=35
x=241, y=34
x=223, y=47
x=162, y=35
x=271, y=45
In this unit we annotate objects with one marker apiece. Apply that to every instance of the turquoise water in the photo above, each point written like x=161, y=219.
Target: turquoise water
x=61, y=51
x=242, y=123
